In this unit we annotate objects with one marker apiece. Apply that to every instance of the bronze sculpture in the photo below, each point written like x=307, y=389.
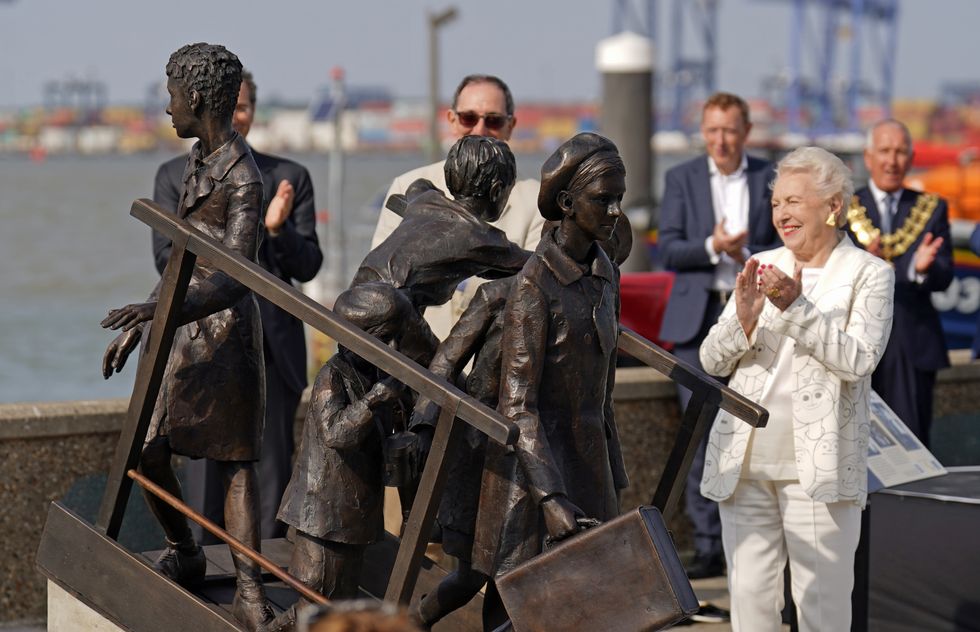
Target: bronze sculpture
x=212, y=400
x=334, y=498
x=476, y=335
x=558, y=368
x=440, y=241
x=288, y=249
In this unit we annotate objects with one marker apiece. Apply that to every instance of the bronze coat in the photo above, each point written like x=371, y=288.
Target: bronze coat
x=559, y=359
x=477, y=335
x=212, y=401
x=336, y=491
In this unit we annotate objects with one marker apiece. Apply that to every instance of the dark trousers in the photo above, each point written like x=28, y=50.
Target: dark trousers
x=203, y=490
x=702, y=512
x=907, y=390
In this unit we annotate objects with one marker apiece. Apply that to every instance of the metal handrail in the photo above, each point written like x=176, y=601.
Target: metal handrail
x=188, y=244
x=236, y=544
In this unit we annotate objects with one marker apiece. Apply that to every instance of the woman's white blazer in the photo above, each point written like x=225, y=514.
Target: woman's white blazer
x=838, y=332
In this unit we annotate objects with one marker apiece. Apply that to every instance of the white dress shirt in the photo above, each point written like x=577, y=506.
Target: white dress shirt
x=730, y=200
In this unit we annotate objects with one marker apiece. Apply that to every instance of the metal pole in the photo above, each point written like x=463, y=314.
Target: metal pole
x=853, y=91
x=336, y=234
x=435, y=21
x=888, y=67
x=794, y=100
x=236, y=545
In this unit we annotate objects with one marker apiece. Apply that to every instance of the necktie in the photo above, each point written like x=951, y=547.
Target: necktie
x=888, y=214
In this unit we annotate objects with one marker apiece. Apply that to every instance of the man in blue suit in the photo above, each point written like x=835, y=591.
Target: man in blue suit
x=290, y=250
x=911, y=230
x=715, y=213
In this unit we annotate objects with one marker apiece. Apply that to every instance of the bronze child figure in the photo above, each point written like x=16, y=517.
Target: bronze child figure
x=476, y=335
x=335, y=497
x=441, y=242
x=211, y=403
x=558, y=367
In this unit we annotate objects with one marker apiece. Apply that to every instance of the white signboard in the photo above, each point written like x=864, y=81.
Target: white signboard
x=895, y=455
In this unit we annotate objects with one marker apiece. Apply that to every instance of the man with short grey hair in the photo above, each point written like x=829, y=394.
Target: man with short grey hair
x=910, y=229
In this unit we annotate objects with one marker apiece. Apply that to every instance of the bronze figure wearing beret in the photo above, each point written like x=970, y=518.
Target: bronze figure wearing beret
x=558, y=367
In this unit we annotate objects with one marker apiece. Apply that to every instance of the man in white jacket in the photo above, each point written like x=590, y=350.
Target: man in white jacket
x=482, y=106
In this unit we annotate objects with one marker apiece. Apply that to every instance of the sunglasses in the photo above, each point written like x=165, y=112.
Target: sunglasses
x=492, y=121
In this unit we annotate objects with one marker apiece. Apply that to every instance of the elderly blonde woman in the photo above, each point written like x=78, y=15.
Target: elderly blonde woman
x=808, y=325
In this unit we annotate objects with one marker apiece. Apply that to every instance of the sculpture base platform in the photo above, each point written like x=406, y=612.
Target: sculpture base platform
x=66, y=613
x=924, y=557
x=97, y=585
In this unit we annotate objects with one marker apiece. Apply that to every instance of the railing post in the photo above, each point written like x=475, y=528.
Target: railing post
x=405, y=572
x=697, y=419
x=153, y=356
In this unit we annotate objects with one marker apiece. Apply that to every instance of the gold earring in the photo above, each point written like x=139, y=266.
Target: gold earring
x=831, y=220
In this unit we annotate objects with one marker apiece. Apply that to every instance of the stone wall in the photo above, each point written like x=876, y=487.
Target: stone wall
x=45, y=448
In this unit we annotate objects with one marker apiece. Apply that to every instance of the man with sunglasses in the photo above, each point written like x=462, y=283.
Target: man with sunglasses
x=482, y=106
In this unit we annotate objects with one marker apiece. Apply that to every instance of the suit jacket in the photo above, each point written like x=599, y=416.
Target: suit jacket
x=687, y=219
x=293, y=255
x=917, y=334
x=520, y=220
x=839, y=332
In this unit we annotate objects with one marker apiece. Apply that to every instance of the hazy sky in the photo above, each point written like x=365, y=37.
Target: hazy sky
x=543, y=48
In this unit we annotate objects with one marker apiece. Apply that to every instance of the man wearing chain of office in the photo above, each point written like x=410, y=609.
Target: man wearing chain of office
x=910, y=229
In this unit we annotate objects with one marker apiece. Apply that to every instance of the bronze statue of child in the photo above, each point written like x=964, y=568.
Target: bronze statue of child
x=211, y=403
x=335, y=497
x=558, y=368
x=476, y=335
x=441, y=242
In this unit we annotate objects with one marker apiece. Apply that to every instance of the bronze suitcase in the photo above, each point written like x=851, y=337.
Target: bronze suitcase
x=622, y=575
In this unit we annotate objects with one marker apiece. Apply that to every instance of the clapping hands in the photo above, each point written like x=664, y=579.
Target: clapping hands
x=758, y=282
x=779, y=288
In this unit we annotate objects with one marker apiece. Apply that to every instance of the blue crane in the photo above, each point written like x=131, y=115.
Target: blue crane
x=832, y=102
x=825, y=87
x=690, y=73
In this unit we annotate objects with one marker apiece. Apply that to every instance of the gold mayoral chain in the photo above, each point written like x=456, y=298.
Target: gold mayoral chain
x=894, y=244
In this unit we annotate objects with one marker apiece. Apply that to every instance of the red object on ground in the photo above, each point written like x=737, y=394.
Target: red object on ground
x=644, y=297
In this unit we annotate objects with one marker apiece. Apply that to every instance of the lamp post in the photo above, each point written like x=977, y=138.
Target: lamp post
x=336, y=231
x=435, y=21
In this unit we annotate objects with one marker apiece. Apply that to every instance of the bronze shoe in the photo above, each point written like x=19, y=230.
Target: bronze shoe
x=252, y=610
x=187, y=569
